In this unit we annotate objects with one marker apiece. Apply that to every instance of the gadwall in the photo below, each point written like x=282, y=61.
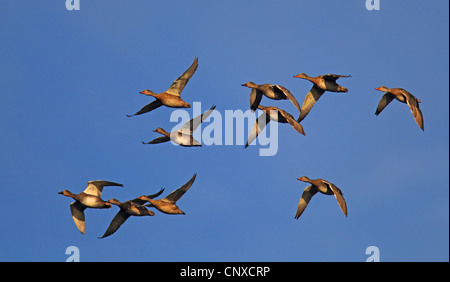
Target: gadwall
x=322, y=83
x=272, y=91
x=168, y=204
x=89, y=198
x=275, y=114
x=182, y=136
x=129, y=208
x=171, y=97
x=322, y=186
x=403, y=96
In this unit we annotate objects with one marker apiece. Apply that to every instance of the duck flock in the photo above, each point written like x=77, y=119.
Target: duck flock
x=91, y=196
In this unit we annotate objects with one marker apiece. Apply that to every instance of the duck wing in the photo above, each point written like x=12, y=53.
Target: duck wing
x=339, y=196
x=189, y=127
x=413, y=104
x=158, y=140
x=385, y=100
x=95, y=187
x=258, y=126
x=311, y=98
x=176, y=195
x=115, y=224
x=334, y=77
x=149, y=107
x=288, y=95
x=255, y=98
x=290, y=119
x=308, y=193
x=77, y=211
x=152, y=196
x=179, y=84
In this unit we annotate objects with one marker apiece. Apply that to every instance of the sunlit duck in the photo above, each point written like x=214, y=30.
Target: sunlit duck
x=403, y=96
x=275, y=114
x=168, y=204
x=182, y=136
x=89, y=198
x=129, y=208
x=322, y=83
x=322, y=186
x=272, y=91
x=171, y=97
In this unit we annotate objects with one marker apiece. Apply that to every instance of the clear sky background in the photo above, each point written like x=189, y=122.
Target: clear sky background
x=68, y=78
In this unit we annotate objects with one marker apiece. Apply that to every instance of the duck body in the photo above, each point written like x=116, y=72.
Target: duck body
x=167, y=99
x=403, y=96
x=165, y=206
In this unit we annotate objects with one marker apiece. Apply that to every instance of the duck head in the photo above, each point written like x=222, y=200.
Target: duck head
x=382, y=88
x=304, y=179
x=250, y=84
x=301, y=75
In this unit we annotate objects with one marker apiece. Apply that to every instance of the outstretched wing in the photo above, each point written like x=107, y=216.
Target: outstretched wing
x=289, y=95
x=338, y=194
x=255, y=98
x=115, y=224
x=290, y=119
x=176, y=195
x=179, y=84
x=149, y=107
x=413, y=104
x=189, y=127
x=152, y=196
x=334, y=77
x=308, y=193
x=385, y=100
x=311, y=98
x=77, y=211
x=95, y=187
x=158, y=140
x=259, y=125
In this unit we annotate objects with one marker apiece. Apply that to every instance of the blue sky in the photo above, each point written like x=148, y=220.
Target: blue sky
x=68, y=78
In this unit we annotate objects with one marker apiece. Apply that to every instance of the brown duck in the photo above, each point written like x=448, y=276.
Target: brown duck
x=275, y=114
x=168, y=204
x=171, y=97
x=322, y=186
x=89, y=198
x=403, y=96
x=129, y=208
x=322, y=83
x=272, y=91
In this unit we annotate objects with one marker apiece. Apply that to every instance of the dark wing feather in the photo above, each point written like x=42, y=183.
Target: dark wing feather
x=308, y=193
x=385, y=100
x=255, y=98
x=115, y=224
x=176, y=195
x=149, y=107
x=311, y=98
x=158, y=140
x=152, y=196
